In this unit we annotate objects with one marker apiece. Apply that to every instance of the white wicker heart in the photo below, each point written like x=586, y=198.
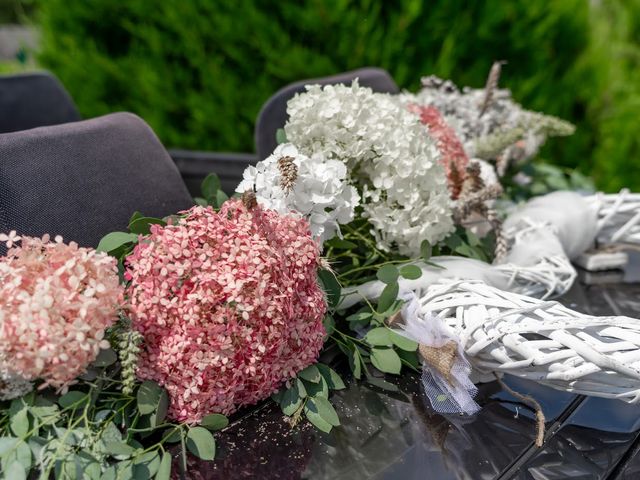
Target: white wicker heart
x=539, y=340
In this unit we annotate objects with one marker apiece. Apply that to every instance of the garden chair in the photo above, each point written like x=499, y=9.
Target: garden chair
x=273, y=114
x=31, y=100
x=84, y=179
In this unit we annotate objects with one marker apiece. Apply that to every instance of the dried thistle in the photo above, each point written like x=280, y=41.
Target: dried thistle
x=491, y=86
x=249, y=200
x=288, y=173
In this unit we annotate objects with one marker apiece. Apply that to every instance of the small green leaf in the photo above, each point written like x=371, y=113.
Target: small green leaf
x=388, y=297
x=320, y=389
x=119, y=448
x=311, y=374
x=324, y=408
x=114, y=240
x=142, y=225
x=329, y=324
x=332, y=378
x=453, y=241
x=302, y=391
x=386, y=360
x=425, y=250
x=214, y=421
x=388, y=274
x=331, y=286
x=7, y=444
x=158, y=416
x=164, y=472
x=281, y=136
x=403, y=342
x=383, y=384
x=291, y=401
x=105, y=358
x=148, y=397
x=362, y=316
x=200, y=201
x=314, y=417
x=201, y=443
x=19, y=422
x=210, y=185
x=172, y=435
x=74, y=398
x=378, y=337
x=355, y=363
x=340, y=244
x=221, y=197
x=15, y=471
x=411, y=272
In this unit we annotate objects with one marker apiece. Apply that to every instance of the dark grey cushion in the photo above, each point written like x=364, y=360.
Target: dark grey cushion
x=84, y=179
x=273, y=114
x=33, y=100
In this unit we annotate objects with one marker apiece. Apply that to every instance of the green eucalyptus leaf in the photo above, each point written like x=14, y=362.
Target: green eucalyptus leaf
x=7, y=444
x=105, y=358
x=410, y=357
x=332, y=378
x=20, y=454
x=281, y=136
x=73, y=398
x=210, y=185
x=378, y=337
x=148, y=397
x=109, y=473
x=355, y=363
x=201, y=443
x=164, y=471
x=142, y=225
x=331, y=286
x=15, y=471
x=214, y=421
x=200, y=201
x=221, y=197
x=403, y=342
x=425, y=250
x=114, y=240
x=302, y=391
x=340, y=244
x=411, y=272
x=119, y=448
x=329, y=324
x=158, y=416
x=382, y=384
x=19, y=423
x=324, y=409
x=362, y=316
x=320, y=389
x=388, y=297
x=311, y=374
x=388, y=274
x=291, y=400
x=173, y=435
x=314, y=417
x=386, y=360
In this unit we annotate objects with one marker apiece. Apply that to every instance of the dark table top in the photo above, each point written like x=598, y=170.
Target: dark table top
x=398, y=436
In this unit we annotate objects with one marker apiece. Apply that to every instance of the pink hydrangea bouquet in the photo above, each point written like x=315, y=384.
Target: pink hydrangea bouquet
x=228, y=304
x=56, y=300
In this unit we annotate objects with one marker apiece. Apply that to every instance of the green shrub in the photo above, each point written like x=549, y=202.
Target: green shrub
x=199, y=70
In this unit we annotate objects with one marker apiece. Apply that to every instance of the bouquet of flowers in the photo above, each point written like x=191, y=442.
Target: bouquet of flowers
x=112, y=359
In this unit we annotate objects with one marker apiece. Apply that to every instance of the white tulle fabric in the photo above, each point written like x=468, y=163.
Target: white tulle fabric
x=426, y=329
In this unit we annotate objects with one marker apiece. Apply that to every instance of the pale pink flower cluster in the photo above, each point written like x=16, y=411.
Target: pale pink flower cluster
x=453, y=157
x=55, y=302
x=228, y=304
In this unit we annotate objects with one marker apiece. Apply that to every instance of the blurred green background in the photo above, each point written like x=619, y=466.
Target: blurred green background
x=199, y=70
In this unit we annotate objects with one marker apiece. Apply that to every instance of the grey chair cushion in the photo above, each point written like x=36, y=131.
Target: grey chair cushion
x=273, y=114
x=84, y=179
x=34, y=100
